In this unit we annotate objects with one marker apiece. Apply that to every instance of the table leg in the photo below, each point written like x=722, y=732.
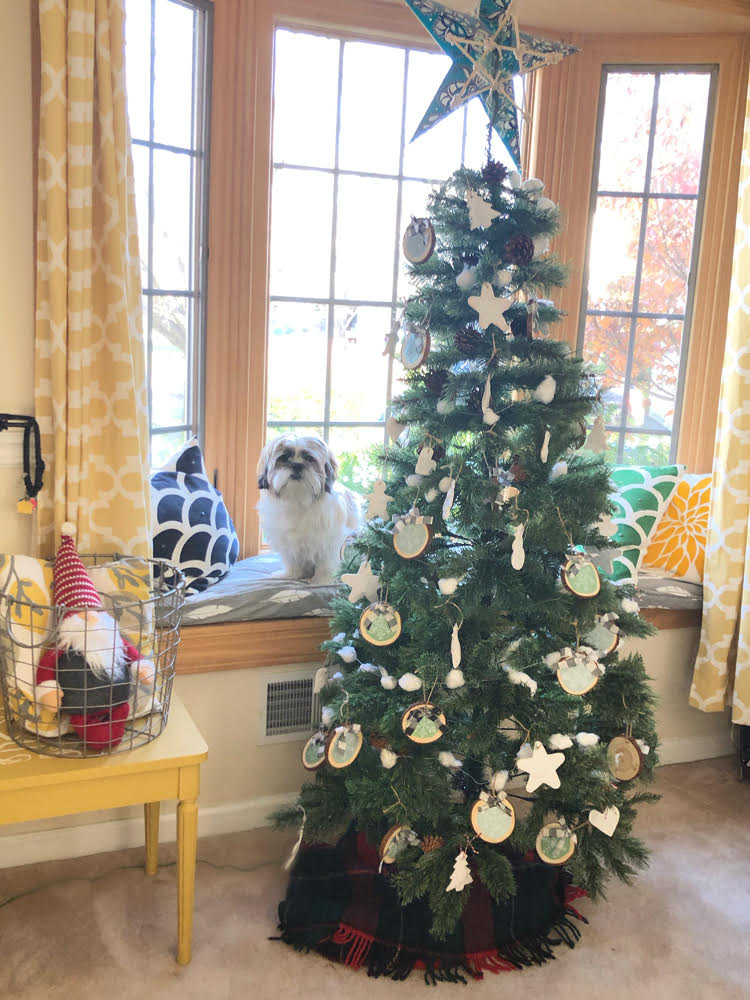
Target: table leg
x=187, y=841
x=151, y=817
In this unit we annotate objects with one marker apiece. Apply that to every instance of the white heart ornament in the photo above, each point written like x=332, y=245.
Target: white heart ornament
x=394, y=429
x=605, y=821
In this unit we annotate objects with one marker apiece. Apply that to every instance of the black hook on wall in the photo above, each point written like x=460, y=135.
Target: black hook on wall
x=30, y=426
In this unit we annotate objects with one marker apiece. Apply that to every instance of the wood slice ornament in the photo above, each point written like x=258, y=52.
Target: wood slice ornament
x=411, y=534
x=578, y=674
x=555, y=843
x=493, y=818
x=314, y=751
x=344, y=745
x=380, y=624
x=423, y=723
x=419, y=241
x=624, y=758
x=396, y=840
x=580, y=576
x=414, y=347
x=604, y=636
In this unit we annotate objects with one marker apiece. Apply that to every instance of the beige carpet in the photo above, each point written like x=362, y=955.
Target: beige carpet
x=99, y=928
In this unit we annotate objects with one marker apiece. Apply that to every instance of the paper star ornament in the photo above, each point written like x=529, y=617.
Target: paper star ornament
x=487, y=50
x=490, y=307
x=363, y=583
x=541, y=768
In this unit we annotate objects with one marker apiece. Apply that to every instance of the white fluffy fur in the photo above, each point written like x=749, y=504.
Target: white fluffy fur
x=305, y=513
x=96, y=635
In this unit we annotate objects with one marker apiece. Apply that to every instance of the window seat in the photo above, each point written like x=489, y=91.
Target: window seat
x=253, y=618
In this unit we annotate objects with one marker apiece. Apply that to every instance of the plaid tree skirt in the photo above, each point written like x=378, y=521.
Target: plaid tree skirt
x=339, y=905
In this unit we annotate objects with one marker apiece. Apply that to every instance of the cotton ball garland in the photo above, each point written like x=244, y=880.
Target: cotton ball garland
x=559, y=469
x=369, y=668
x=338, y=676
x=409, y=682
x=514, y=179
x=558, y=741
x=541, y=245
x=587, y=739
x=448, y=585
x=327, y=715
x=503, y=277
x=339, y=637
x=444, y=406
x=413, y=479
x=388, y=682
x=630, y=606
x=498, y=781
x=519, y=677
x=431, y=494
x=454, y=679
x=545, y=391
x=348, y=654
x=467, y=277
x=388, y=758
x=445, y=484
x=545, y=204
x=533, y=186
x=447, y=759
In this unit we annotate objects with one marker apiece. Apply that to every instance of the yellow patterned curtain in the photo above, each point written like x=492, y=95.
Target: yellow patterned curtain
x=722, y=669
x=90, y=368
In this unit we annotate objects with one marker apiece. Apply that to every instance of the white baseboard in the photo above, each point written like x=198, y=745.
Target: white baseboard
x=683, y=749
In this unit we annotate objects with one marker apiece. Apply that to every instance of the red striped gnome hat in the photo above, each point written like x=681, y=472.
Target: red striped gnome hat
x=73, y=586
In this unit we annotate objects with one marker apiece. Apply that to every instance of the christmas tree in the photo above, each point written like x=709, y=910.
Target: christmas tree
x=478, y=717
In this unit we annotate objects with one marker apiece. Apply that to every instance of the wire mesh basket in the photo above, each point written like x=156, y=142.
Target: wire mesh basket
x=81, y=681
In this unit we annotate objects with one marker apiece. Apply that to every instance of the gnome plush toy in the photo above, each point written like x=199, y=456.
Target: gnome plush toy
x=92, y=662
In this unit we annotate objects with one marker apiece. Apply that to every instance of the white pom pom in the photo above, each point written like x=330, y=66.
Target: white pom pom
x=348, y=654
x=552, y=660
x=327, y=715
x=447, y=759
x=498, y=781
x=587, y=739
x=369, y=668
x=444, y=406
x=431, y=494
x=467, y=277
x=388, y=682
x=445, y=484
x=545, y=204
x=447, y=585
x=454, y=679
x=519, y=677
x=514, y=179
x=68, y=528
x=545, y=391
x=558, y=741
x=388, y=758
x=559, y=469
x=532, y=185
x=339, y=637
x=409, y=682
x=503, y=277
x=338, y=676
x=413, y=479
x=630, y=606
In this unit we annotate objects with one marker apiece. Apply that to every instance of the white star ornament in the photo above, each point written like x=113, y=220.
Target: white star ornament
x=541, y=768
x=490, y=307
x=363, y=583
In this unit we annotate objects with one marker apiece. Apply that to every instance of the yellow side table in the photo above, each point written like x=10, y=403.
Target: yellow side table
x=37, y=787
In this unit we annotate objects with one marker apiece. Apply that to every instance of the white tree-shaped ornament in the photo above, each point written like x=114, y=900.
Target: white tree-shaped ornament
x=461, y=876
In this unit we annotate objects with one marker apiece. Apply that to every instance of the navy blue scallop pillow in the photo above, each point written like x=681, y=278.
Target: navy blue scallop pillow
x=192, y=526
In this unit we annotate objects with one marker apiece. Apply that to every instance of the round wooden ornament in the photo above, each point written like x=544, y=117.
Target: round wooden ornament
x=314, y=751
x=624, y=758
x=380, y=624
x=578, y=676
x=581, y=577
x=419, y=241
x=414, y=347
x=423, y=723
x=343, y=747
x=493, y=820
x=411, y=534
x=555, y=843
x=397, y=839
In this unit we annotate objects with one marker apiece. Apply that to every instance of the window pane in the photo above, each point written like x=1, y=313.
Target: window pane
x=365, y=238
x=304, y=131
x=297, y=346
x=359, y=370
x=301, y=233
x=163, y=446
x=172, y=221
x=617, y=224
x=414, y=196
x=371, y=107
x=169, y=360
x=625, y=132
x=173, y=74
x=606, y=348
x=666, y=256
x=437, y=152
x=646, y=449
x=356, y=449
x=656, y=366
x=138, y=65
x=680, y=128
x=140, y=179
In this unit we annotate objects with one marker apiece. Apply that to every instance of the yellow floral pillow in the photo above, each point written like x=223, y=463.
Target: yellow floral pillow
x=678, y=545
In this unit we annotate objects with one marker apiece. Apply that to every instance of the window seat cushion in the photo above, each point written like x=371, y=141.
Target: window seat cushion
x=656, y=589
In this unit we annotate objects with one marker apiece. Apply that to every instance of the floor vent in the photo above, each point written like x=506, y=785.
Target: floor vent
x=291, y=707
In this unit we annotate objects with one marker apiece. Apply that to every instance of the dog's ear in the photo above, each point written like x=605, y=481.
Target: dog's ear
x=263, y=483
x=330, y=476
x=262, y=469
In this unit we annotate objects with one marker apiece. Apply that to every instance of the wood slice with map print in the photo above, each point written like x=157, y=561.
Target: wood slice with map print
x=423, y=723
x=380, y=624
x=581, y=577
x=555, y=843
x=493, y=820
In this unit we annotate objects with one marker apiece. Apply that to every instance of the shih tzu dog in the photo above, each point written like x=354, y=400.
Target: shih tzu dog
x=305, y=513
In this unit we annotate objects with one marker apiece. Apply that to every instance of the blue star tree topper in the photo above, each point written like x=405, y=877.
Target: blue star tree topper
x=487, y=50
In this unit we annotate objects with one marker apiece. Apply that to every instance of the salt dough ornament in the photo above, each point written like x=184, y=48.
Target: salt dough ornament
x=391, y=341
x=461, y=876
x=481, y=212
x=363, y=583
x=555, y=843
x=394, y=429
x=545, y=391
x=490, y=308
x=624, y=758
x=597, y=438
x=467, y=278
x=380, y=624
x=489, y=416
x=314, y=751
x=447, y=585
x=344, y=745
x=425, y=463
x=541, y=767
x=493, y=818
x=455, y=646
x=414, y=347
x=544, y=453
x=580, y=576
x=605, y=635
x=411, y=534
x=423, y=723
x=518, y=556
x=449, y=498
x=378, y=501
x=395, y=841
x=419, y=241
x=605, y=821
x=606, y=526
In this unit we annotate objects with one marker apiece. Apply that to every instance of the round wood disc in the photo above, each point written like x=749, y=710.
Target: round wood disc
x=394, y=842
x=314, y=752
x=493, y=820
x=423, y=723
x=411, y=539
x=604, y=639
x=624, y=758
x=380, y=624
x=343, y=748
x=581, y=578
x=419, y=241
x=555, y=844
x=415, y=347
x=576, y=679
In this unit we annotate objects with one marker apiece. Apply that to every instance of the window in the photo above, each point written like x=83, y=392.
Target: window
x=650, y=172
x=345, y=183
x=168, y=45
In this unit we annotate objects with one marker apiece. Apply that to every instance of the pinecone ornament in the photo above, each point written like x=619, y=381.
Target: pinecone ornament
x=468, y=341
x=435, y=381
x=431, y=843
x=519, y=250
x=378, y=741
x=494, y=172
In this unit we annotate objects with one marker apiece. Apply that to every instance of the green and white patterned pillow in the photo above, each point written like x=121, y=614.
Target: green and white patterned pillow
x=642, y=495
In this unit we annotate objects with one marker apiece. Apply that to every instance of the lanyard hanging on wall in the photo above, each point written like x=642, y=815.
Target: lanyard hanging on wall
x=27, y=504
